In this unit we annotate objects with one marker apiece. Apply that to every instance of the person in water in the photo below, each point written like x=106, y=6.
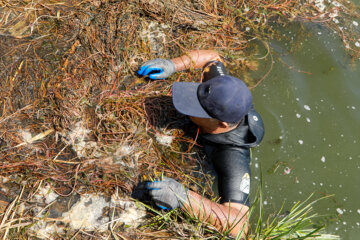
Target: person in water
x=221, y=106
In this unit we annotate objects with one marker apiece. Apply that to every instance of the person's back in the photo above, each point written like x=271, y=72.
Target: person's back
x=221, y=106
x=229, y=153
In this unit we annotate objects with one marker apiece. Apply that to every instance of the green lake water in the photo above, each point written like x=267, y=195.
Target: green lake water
x=312, y=128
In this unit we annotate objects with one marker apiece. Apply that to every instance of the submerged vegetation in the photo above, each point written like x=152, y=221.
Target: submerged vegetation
x=74, y=115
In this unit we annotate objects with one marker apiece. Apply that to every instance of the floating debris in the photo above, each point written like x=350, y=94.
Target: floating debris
x=287, y=170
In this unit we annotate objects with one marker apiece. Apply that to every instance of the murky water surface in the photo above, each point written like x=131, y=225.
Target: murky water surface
x=312, y=128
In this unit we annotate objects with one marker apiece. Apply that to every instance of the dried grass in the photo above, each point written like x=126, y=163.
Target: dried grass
x=68, y=83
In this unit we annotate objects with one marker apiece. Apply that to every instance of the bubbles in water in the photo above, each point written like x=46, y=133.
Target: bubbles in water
x=307, y=107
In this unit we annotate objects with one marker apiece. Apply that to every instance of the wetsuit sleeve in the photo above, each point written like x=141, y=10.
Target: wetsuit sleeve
x=233, y=169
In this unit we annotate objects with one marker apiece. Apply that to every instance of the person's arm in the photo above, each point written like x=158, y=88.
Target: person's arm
x=162, y=68
x=231, y=217
x=195, y=59
x=169, y=194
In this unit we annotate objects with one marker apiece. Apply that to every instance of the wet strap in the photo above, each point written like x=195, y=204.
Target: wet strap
x=213, y=69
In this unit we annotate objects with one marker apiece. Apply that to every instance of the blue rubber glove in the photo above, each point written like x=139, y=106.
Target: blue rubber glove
x=168, y=193
x=157, y=68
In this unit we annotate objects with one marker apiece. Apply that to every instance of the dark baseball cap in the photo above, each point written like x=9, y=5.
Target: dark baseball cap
x=225, y=98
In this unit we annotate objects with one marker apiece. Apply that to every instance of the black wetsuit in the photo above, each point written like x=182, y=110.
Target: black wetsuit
x=230, y=152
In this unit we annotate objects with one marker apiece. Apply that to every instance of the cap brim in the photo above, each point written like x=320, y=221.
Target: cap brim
x=185, y=99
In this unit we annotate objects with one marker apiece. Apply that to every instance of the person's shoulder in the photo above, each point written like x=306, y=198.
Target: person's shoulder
x=256, y=125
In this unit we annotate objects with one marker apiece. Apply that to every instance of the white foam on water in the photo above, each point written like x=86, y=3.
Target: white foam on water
x=340, y=211
x=46, y=194
x=164, y=139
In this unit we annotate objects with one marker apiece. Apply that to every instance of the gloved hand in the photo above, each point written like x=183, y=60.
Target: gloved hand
x=141, y=192
x=168, y=193
x=157, y=68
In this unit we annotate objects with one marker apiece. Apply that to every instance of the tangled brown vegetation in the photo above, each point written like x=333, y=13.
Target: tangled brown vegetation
x=74, y=113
